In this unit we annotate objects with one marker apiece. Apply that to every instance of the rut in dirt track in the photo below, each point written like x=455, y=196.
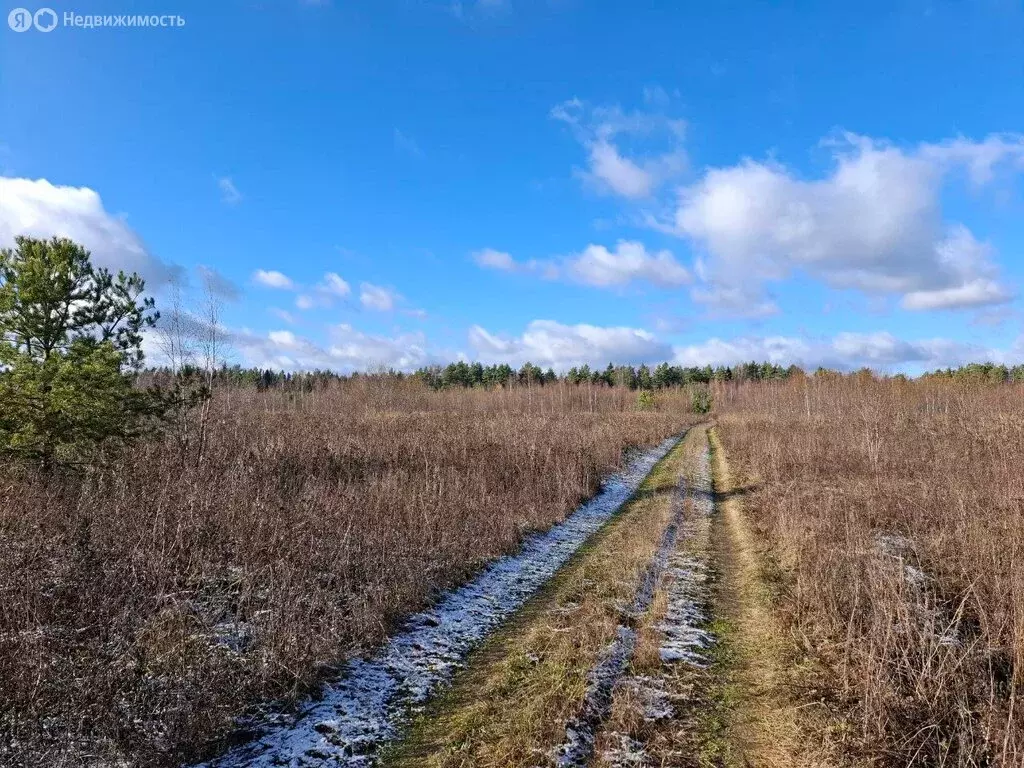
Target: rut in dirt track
x=683, y=637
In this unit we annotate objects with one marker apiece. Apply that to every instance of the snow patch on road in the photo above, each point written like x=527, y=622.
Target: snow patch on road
x=684, y=639
x=374, y=699
x=581, y=730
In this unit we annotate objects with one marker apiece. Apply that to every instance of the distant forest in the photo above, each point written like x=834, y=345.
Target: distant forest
x=663, y=376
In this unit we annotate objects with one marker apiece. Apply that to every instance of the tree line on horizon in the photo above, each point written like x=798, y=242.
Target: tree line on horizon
x=467, y=375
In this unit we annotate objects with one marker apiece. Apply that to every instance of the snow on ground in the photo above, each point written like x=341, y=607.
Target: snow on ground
x=684, y=640
x=581, y=730
x=371, y=702
x=687, y=585
x=931, y=616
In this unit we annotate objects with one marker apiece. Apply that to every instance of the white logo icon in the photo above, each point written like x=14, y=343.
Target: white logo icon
x=45, y=19
x=20, y=19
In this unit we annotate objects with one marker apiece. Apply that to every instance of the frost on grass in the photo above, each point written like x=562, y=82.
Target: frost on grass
x=683, y=637
x=931, y=617
x=375, y=697
x=580, y=732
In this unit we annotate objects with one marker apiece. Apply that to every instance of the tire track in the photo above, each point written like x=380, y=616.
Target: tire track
x=656, y=696
x=683, y=638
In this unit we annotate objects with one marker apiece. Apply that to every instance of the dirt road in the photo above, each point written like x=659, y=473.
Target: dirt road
x=640, y=632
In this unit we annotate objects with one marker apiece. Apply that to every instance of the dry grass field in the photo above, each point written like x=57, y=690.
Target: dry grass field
x=145, y=604
x=869, y=530
x=894, y=514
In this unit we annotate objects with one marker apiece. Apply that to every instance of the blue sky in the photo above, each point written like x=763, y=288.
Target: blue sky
x=561, y=181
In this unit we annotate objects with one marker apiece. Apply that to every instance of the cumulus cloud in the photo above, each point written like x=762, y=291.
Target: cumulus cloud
x=735, y=301
x=332, y=287
x=874, y=224
x=844, y=351
x=377, y=297
x=327, y=291
x=335, y=285
x=630, y=261
x=492, y=259
x=596, y=265
x=347, y=350
x=548, y=343
x=37, y=208
x=979, y=158
x=603, y=132
x=271, y=278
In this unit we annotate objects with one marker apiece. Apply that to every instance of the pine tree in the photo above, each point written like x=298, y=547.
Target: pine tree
x=70, y=344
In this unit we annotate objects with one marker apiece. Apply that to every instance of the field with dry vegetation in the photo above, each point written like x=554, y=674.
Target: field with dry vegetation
x=146, y=603
x=893, y=512
x=842, y=553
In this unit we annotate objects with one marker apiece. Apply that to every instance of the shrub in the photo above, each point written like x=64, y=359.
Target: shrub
x=645, y=400
x=701, y=400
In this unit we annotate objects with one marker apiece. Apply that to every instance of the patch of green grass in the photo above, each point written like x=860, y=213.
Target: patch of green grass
x=720, y=699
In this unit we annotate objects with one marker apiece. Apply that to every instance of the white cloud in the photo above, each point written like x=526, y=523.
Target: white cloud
x=602, y=131
x=980, y=158
x=377, y=297
x=335, y=285
x=548, y=343
x=873, y=224
x=725, y=301
x=551, y=344
x=347, y=350
x=228, y=191
x=596, y=265
x=360, y=351
x=845, y=351
x=323, y=294
x=973, y=294
x=492, y=259
x=620, y=174
x=37, y=208
x=630, y=261
x=283, y=338
x=271, y=278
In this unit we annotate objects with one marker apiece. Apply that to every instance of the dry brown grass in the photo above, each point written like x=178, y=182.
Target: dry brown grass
x=146, y=605
x=921, y=667
x=761, y=715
